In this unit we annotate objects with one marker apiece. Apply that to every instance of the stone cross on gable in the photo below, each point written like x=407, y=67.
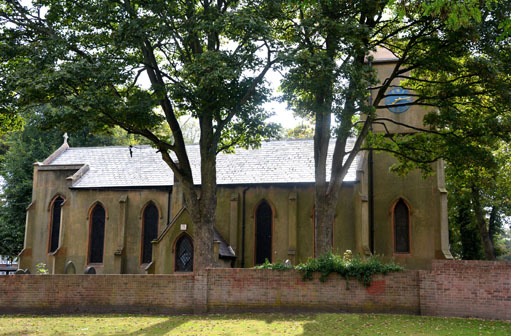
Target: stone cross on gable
x=65, y=136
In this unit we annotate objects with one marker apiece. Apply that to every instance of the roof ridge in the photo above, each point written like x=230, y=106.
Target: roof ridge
x=115, y=146
x=145, y=146
x=278, y=161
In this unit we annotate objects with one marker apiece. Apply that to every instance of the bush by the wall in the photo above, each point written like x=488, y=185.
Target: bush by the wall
x=349, y=267
x=279, y=266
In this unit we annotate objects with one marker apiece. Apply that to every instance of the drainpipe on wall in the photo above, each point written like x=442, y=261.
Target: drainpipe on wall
x=243, y=224
x=370, y=168
x=168, y=206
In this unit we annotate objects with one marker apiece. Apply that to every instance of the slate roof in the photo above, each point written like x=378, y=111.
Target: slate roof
x=290, y=161
x=224, y=250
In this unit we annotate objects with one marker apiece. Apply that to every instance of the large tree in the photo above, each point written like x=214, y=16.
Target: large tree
x=474, y=118
x=206, y=59
x=439, y=55
x=480, y=198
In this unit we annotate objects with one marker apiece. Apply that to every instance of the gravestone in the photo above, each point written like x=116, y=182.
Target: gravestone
x=90, y=270
x=70, y=268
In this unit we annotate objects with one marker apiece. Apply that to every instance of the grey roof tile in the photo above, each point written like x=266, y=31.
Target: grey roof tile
x=289, y=161
x=224, y=250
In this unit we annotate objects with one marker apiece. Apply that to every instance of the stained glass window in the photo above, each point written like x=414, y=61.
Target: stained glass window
x=184, y=254
x=401, y=228
x=97, y=234
x=56, y=213
x=150, y=231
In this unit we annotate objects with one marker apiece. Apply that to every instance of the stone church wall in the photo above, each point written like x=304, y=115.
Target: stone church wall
x=292, y=228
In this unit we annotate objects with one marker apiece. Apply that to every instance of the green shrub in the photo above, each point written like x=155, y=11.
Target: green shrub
x=349, y=267
x=41, y=268
x=279, y=266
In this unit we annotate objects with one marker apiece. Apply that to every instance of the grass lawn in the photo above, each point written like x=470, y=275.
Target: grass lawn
x=249, y=324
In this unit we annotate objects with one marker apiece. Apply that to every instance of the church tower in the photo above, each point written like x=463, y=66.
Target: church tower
x=396, y=212
x=399, y=97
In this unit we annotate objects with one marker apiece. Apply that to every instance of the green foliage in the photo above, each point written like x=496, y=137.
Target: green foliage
x=453, y=56
x=348, y=267
x=301, y=131
x=479, y=186
x=279, y=266
x=201, y=59
x=467, y=86
x=505, y=243
x=41, y=268
x=463, y=235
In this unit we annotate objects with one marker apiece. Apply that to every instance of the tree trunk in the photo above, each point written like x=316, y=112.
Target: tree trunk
x=203, y=240
x=324, y=215
x=489, y=250
x=470, y=241
x=204, y=226
x=492, y=227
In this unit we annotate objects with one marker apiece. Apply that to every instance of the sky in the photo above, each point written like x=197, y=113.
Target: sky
x=283, y=115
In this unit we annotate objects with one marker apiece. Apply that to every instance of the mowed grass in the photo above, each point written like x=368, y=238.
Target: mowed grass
x=249, y=324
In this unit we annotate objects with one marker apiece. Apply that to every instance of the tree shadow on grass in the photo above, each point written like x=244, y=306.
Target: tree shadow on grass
x=175, y=321
x=161, y=328
x=314, y=324
x=303, y=323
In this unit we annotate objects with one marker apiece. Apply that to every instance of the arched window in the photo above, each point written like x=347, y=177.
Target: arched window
x=184, y=254
x=97, y=234
x=401, y=227
x=264, y=223
x=56, y=214
x=149, y=231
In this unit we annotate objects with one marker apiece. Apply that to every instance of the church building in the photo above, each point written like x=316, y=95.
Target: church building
x=114, y=210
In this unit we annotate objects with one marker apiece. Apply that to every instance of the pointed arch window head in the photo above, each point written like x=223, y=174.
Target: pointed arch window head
x=149, y=231
x=184, y=254
x=401, y=223
x=264, y=228
x=97, y=234
x=56, y=216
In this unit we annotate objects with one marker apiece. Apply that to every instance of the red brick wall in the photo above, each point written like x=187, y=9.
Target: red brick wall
x=467, y=289
x=96, y=293
x=212, y=290
x=267, y=289
x=451, y=288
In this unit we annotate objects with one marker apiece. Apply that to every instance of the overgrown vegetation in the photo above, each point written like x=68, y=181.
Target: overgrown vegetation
x=347, y=265
x=279, y=266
